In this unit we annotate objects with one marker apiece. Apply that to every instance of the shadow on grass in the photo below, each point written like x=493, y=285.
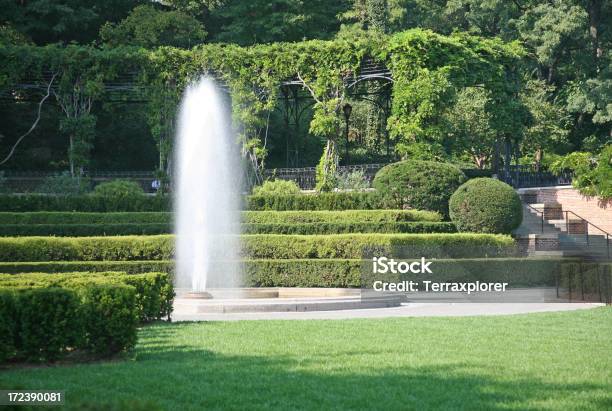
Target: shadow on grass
x=178, y=376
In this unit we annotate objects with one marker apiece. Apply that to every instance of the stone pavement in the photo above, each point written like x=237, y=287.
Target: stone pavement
x=405, y=310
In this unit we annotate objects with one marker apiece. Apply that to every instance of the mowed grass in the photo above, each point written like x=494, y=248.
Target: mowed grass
x=538, y=361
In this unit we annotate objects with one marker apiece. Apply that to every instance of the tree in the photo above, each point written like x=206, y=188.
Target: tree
x=147, y=26
x=548, y=129
x=369, y=15
x=266, y=21
x=51, y=21
x=469, y=125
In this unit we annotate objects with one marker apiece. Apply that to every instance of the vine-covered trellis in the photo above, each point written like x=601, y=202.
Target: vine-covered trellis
x=419, y=70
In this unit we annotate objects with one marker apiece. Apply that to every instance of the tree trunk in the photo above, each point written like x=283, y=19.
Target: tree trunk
x=594, y=10
x=71, y=155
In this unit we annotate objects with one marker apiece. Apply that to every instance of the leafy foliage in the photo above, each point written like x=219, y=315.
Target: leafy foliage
x=276, y=187
x=423, y=185
x=118, y=189
x=352, y=180
x=63, y=184
x=147, y=26
x=592, y=174
x=486, y=205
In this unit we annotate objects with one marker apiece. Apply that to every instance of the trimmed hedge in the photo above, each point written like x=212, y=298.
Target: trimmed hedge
x=255, y=222
x=586, y=280
x=346, y=216
x=86, y=248
x=84, y=203
x=519, y=272
x=342, y=228
x=425, y=185
x=63, y=217
x=248, y=217
x=94, y=203
x=83, y=230
x=320, y=201
x=45, y=323
x=486, y=205
x=130, y=267
x=335, y=272
x=154, y=291
x=259, y=246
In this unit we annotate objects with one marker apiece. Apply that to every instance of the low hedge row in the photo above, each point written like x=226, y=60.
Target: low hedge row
x=586, y=280
x=360, y=245
x=66, y=224
x=248, y=217
x=154, y=291
x=321, y=201
x=260, y=246
x=85, y=230
x=42, y=324
x=345, y=216
x=130, y=267
x=518, y=272
x=85, y=203
x=342, y=228
x=334, y=272
x=93, y=203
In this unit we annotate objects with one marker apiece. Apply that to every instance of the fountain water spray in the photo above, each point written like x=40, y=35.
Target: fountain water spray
x=207, y=192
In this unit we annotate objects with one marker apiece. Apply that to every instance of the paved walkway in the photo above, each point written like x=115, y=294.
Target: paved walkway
x=405, y=310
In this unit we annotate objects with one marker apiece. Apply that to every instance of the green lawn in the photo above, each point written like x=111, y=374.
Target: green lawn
x=537, y=361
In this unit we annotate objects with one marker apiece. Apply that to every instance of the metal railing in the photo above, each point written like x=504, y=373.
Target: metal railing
x=584, y=221
x=305, y=177
x=526, y=176
x=586, y=224
x=541, y=213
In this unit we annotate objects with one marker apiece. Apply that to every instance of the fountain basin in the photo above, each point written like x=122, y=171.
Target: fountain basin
x=279, y=299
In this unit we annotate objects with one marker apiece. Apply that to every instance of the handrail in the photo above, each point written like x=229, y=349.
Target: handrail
x=585, y=221
x=538, y=212
x=608, y=235
x=588, y=222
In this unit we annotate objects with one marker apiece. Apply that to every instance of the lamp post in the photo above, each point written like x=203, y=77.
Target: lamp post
x=346, y=109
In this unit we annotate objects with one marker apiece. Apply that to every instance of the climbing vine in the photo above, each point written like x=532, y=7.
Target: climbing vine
x=427, y=71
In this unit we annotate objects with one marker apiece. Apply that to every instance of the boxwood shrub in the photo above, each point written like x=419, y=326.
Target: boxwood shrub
x=339, y=228
x=249, y=217
x=154, y=292
x=255, y=222
x=519, y=272
x=320, y=201
x=259, y=246
x=335, y=272
x=83, y=230
x=45, y=323
x=85, y=203
x=424, y=185
x=486, y=205
x=97, y=203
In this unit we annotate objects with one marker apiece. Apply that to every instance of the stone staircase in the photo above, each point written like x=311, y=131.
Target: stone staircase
x=549, y=230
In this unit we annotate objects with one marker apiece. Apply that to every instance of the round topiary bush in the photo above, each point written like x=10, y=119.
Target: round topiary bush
x=424, y=185
x=486, y=205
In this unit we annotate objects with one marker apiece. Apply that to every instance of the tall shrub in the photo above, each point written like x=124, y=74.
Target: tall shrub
x=486, y=205
x=424, y=185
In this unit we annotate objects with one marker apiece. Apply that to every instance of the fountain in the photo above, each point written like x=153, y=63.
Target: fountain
x=208, y=275
x=207, y=193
